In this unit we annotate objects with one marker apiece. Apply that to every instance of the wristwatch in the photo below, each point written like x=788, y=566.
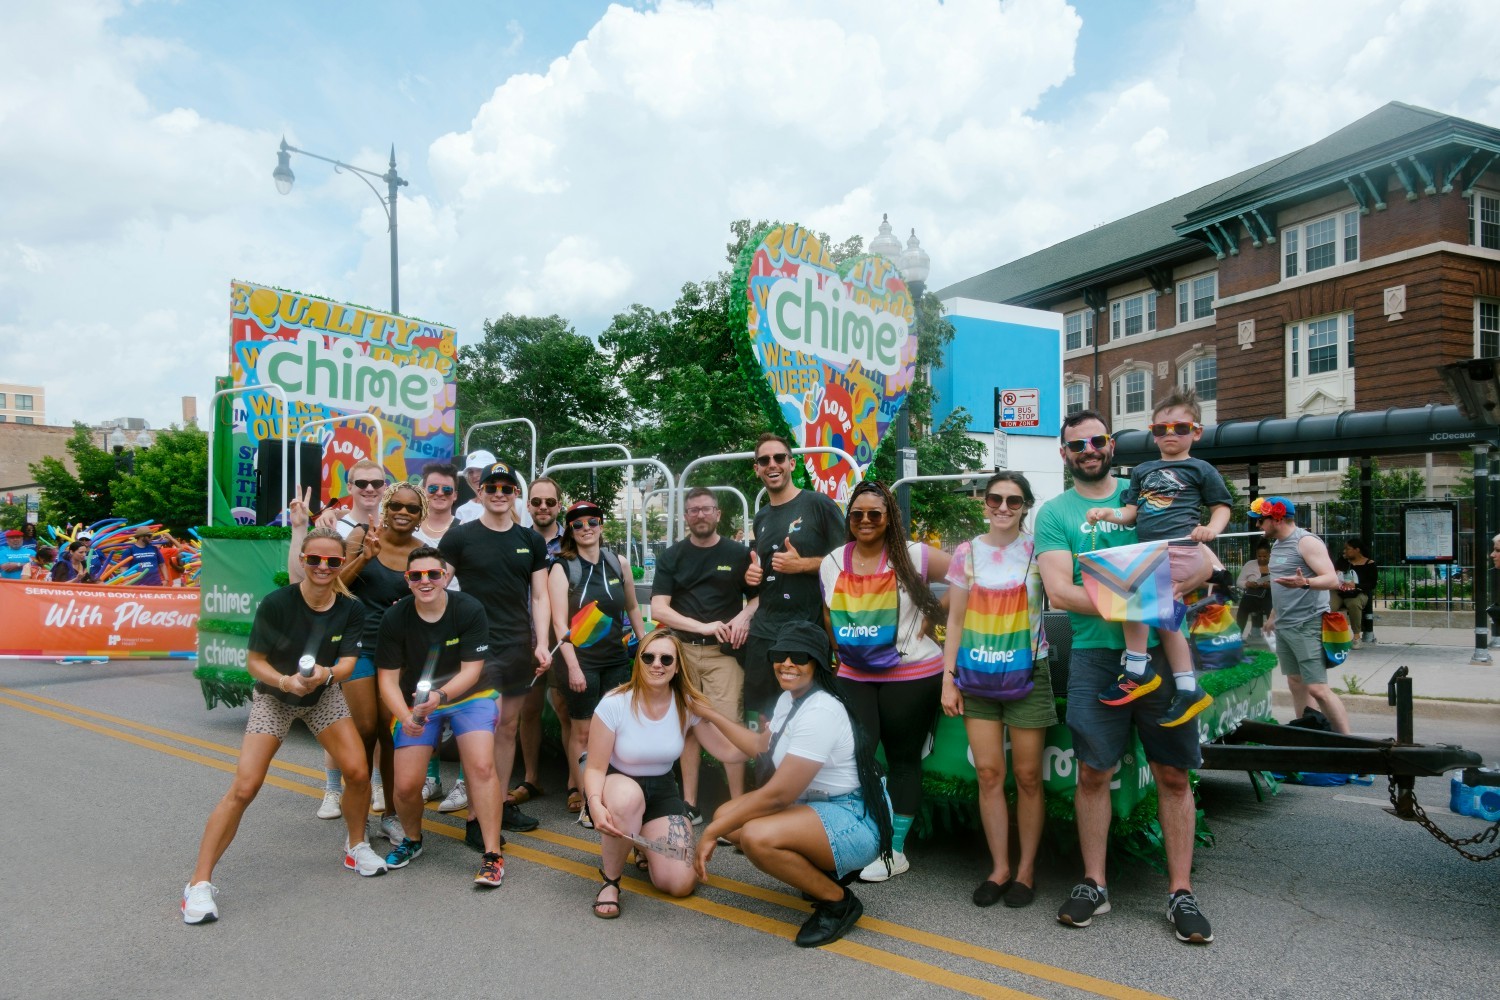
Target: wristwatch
x=442, y=696
x=1307, y=585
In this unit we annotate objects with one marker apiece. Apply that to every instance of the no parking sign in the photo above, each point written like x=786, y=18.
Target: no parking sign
x=1017, y=408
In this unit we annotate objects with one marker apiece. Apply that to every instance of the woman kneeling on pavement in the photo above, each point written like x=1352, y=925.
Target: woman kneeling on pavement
x=628, y=781
x=303, y=642
x=823, y=815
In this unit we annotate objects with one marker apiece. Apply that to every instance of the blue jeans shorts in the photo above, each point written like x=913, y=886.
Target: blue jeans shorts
x=476, y=713
x=850, y=829
x=1101, y=733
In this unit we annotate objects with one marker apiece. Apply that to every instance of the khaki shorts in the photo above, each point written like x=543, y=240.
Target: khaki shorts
x=1037, y=710
x=719, y=676
x=1299, y=650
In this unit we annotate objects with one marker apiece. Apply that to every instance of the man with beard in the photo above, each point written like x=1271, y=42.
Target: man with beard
x=699, y=593
x=1101, y=733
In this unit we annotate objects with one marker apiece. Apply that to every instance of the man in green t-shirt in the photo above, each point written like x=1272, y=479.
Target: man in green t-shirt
x=1101, y=733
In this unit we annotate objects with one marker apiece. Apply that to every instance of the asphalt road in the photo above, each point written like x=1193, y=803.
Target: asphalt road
x=111, y=771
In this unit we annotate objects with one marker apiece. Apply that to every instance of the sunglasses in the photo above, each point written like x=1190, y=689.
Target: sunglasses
x=777, y=459
x=504, y=489
x=1097, y=442
x=332, y=562
x=586, y=522
x=434, y=490
x=410, y=508
x=667, y=659
x=548, y=502
x=872, y=516
x=994, y=501
x=800, y=658
x=369, y=484
x=418, y=575
x=1182, y=428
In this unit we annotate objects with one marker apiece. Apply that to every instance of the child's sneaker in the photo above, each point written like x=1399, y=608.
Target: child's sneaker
x=1126, y=688
x=1186, y=705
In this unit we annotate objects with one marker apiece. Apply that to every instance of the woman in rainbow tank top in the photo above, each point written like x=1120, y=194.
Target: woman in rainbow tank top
x=995, y=675
x=879, y=610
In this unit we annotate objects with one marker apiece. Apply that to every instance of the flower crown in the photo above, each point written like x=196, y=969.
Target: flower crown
x=1272, y=507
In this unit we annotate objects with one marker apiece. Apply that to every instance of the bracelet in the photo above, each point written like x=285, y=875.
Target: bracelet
x=282, y=683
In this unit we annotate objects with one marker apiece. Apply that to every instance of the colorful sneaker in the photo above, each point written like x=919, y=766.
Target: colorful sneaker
x=198, y=906
x=1089, y=899
x=491, y=870
x=876, y=871
x=333, y=804
x=432, y=789
x=515, y=820
x=405, y=853
x=392, y=830
x=362, y=859
x=456, y=800
x=1186, y=705
x=1188, y=922
x=1126, y=688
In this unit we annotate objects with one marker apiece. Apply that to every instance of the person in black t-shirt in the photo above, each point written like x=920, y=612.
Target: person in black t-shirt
x=504, y=565
x=699, y=592
x=305, y=638
x=793, y=532
x=429, y=656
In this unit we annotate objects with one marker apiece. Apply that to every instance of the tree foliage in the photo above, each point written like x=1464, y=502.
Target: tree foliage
x=1392, y=484
x=168, y=482
x=540, y=368
x=86, y=496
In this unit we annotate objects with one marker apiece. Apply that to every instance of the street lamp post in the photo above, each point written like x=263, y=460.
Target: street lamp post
x=915, y=265
x=393, y=181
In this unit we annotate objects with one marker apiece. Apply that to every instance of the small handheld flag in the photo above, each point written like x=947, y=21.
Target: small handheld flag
x=588, y=626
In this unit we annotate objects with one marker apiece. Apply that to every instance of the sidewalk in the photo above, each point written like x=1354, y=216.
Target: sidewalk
x=1445, y=684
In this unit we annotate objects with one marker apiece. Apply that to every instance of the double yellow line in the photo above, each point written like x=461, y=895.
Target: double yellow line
x=129, y=731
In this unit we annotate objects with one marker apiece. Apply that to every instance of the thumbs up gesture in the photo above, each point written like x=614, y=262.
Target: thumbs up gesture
x=788, y=559
x=754, y=575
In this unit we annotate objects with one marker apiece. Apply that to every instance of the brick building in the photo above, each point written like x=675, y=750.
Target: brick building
x=1334, y=278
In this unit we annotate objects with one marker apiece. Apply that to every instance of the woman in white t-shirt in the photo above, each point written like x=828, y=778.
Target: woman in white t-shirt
x=628, y=782
x=878, y=608
x=823, y=815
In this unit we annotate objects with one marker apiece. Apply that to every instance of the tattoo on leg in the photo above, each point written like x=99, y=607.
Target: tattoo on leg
x=679, y=832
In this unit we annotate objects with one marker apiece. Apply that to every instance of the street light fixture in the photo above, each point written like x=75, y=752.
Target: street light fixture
x=915, y=265
x=285, y=179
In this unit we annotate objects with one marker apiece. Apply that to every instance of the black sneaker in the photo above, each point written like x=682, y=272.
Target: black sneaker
x=1188, y=922
x=830, y=921
x=694, y=816
x=514, y=819
x=1088, y=898
x=474, y=836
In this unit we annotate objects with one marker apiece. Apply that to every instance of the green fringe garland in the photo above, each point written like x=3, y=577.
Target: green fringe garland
x=227, y=686
x=244, y=531
x=223, y=626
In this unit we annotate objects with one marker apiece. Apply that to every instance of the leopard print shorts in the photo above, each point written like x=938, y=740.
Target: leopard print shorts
x=272, y=717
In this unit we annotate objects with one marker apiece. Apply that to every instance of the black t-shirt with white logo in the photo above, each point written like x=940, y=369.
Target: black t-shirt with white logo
x=434, y=650
x=496, y=567
x=815, y=526
x=286, y=629
x=705, y=583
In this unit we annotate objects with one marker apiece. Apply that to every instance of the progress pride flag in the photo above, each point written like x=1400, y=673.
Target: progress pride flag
x=70, y=619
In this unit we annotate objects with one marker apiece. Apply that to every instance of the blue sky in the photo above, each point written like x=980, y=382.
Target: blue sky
x=577, y=157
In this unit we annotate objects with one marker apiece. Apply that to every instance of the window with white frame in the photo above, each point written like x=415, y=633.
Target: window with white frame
x=1132, y=396
x=1195, y=297
x=1325, y=242
x=1132, y=316
x=1484, y=220
x=1075, y=396
x=1078, y=329
x=1201, y=374
x=1486, y=328
x=1319, y=346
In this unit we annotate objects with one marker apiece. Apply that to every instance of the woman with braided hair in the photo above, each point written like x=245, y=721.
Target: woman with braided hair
x=879, y=611
x=823, y=814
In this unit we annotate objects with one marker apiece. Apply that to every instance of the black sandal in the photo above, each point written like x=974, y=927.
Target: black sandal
x=608, y=882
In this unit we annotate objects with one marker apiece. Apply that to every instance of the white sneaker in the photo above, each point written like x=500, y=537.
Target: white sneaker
x=456, y=800
x=362, y=859
x=333, y=804
x=377, y=798
x=198, y=906
x=391, y=829
x=876, y=870
x=432, y=788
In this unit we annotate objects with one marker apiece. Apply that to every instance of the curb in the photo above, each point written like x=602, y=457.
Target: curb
x=1422, y=708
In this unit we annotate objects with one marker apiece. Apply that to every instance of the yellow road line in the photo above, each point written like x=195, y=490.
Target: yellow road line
x=896, y=963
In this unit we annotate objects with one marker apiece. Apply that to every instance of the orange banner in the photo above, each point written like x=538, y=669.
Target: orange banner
x=73, y=619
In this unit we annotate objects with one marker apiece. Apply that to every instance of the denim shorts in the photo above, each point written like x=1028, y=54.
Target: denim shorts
x=850, y=829
x=477, y=713
x=1101, y=733
x=363, y=667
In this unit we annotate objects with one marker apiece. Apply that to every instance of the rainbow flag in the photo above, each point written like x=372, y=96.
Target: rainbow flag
x=863, y=611
x=588, y=626
x=1133, y=583
x=1216, y=639
x=1338, y=637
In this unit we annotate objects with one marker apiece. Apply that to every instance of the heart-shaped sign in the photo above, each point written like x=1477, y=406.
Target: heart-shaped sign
x=836, y=347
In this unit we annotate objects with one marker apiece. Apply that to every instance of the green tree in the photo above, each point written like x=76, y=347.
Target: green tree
x=169, y=481
x=1393, y=484
x=84, y=497
x=540, y=368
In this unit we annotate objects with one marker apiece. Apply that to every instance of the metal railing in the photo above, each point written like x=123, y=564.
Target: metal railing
x=469, y=435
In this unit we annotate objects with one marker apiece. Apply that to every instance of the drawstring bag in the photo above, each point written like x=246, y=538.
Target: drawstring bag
x=1338, y=638
x=865, y=612
x=997, y=653
x=1215, y=637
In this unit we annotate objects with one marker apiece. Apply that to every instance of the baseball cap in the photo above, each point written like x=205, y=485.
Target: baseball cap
x=499, y=470
x=480, y=459
x=14, y=533
x=580, y=508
